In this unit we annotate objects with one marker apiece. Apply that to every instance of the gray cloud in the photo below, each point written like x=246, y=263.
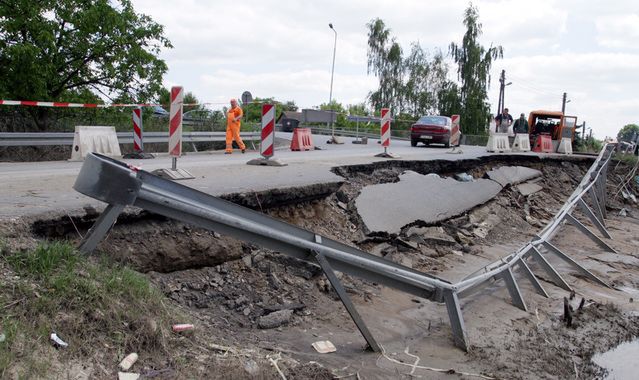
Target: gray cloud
x=284, y=49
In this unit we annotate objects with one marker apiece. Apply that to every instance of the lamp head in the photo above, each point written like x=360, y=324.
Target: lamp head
x=330, y=25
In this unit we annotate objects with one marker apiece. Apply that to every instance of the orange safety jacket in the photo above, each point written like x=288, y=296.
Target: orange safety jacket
x=231, y=115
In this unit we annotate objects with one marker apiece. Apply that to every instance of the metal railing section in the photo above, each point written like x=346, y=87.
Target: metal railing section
x=119, y=185
x=66, y=138
x=592, y=186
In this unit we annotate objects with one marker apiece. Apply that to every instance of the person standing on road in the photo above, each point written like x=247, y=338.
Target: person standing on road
x=521, y=124
x=233, y=122
x=503, y=121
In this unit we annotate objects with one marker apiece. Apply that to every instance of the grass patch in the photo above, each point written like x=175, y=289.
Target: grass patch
x=93, y=304
x=629, y=159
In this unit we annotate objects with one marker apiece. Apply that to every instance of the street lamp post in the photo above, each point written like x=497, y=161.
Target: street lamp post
x=330, y=96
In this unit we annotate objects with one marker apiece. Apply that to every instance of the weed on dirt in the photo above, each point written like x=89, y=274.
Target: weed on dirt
x=93, y=305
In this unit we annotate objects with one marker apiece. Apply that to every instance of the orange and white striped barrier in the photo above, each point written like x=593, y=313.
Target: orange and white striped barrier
x=385, y=127
x=138, y=144
x=175, y=137
x=138, y=139
x=385, y=134
x=267, y=144
x=175, y=122
x=268, y=131
x=455, y=133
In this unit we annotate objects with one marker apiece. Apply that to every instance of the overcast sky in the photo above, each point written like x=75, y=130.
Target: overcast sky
x=284, y=49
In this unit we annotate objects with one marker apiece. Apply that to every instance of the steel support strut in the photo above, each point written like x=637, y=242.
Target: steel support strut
x=591, y=215
x=456, y=319
x=513, y=289
x=348, y=304
x=100, y=228
x=556, y=277
x=569, y=260
x=532, y=278
x=572, y=220
x=596, y=205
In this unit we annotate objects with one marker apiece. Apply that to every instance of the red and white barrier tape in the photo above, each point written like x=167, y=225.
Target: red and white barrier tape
x=33, y=103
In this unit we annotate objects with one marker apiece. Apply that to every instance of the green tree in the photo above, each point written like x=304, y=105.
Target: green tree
x=449, y=100
x=189, y=98
x=407, y=85
x=253, y=110
x=67, y=50
x=425, y=78
x=340, y=111
x=473, y=71
x=358, y=109
x=386, y=63
x=627, y=132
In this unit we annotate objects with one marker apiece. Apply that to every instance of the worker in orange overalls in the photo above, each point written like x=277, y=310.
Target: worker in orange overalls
x=233, y=123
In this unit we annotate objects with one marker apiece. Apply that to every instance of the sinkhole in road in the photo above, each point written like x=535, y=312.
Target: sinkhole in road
x=233, y=290
x=150, y=242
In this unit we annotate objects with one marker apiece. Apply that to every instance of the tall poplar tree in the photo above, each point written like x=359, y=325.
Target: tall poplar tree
x=473, y=71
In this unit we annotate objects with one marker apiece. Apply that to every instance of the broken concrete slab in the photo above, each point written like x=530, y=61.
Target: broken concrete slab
x=512, y=175
x=435, y=235
x=528, y=188
x=390, y=206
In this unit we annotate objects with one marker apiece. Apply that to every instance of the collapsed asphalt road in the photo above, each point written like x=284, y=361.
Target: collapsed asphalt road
x=233, y=292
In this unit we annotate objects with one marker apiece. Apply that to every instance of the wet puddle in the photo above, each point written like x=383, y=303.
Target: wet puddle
x=621, y=362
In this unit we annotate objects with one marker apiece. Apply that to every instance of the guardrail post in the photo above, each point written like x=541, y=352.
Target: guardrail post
x=572, y=220
x=100, y=228
x=551, y=248
x=346, y=301
x=591, y=215
x=513, y=289
x=532, y=278
x=596, y=204
x=456, y=319
x=545, y=265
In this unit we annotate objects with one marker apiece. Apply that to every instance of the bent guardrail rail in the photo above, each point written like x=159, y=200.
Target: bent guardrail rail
x=592, y=185
x=119, y=185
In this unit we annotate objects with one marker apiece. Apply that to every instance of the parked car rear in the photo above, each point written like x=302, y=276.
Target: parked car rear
x=434, y=130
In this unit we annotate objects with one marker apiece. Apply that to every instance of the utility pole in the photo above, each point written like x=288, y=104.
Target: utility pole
x=502, y=87
x=563, y=104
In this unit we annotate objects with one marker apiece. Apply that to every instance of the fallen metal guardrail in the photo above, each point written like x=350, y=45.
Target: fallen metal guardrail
x=592, y=185
x=66, y=138
x=119, y=185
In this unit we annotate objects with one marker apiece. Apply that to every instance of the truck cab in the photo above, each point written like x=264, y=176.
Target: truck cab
x=553, y=123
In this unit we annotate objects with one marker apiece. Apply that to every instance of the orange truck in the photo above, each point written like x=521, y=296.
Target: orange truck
x=553, y=124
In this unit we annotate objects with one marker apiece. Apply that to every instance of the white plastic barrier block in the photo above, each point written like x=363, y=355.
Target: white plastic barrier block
x=521, y=143
x=498, y=142
x=565, y=146
x=87, y=139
